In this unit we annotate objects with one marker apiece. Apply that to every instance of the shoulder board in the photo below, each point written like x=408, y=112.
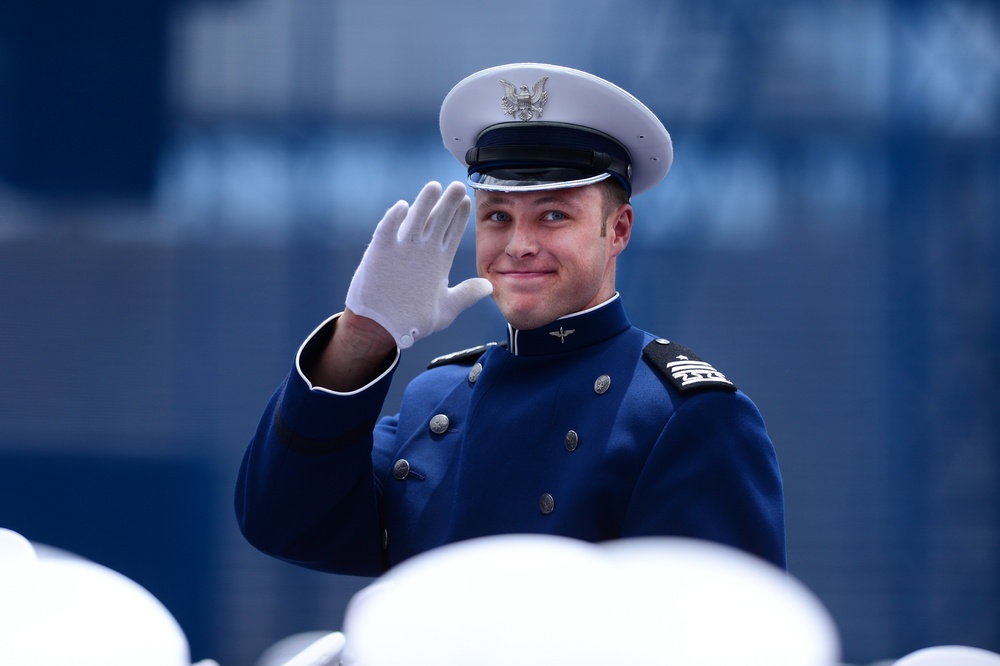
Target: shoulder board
x=464, y=356
x=683, y=368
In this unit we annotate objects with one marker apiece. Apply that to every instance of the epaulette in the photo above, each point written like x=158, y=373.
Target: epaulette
x=683, y=368
x=464, y=356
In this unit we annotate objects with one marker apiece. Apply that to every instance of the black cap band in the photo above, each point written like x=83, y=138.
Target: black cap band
x=554, y=153
x=538, y=156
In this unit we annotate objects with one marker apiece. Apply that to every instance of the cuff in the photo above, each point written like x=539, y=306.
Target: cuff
x=313, y=346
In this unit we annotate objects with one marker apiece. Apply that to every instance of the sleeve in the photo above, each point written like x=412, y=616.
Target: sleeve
x=306, y=491
x=713, y=475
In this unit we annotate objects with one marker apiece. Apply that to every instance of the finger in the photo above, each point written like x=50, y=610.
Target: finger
x=457, y=218
x=443, y=215
x=388, y=227
x=413, y=226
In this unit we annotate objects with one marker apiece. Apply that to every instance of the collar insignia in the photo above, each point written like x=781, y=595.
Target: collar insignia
x=562, y=334
x=521, y=103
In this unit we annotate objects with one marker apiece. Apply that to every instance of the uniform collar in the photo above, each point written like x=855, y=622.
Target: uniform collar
x=571, y=332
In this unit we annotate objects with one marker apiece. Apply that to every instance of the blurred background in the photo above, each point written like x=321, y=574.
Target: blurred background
x=187, y=186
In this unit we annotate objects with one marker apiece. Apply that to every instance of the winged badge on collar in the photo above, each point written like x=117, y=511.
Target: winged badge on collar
x=521, y=103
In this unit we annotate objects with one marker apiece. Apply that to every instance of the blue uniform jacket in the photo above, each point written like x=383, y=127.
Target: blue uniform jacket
x=588, y=428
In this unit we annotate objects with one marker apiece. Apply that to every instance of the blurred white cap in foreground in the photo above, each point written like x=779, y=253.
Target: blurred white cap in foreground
x=57, y=608
x=541, y=600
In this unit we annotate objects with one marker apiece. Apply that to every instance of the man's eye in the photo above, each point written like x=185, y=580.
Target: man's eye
x=555, y=215
x=499, y=217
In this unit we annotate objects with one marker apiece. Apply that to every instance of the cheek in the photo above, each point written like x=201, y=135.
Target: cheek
x=589, y=261
x=484, y=256
x=488, y=247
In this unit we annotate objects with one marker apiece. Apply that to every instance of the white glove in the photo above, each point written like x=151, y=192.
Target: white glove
x=402, y=281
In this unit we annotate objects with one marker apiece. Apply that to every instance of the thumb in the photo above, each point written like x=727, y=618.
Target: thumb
x=465, y=294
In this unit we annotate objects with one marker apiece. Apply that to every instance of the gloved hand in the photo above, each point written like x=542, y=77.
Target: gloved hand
x=402, y=281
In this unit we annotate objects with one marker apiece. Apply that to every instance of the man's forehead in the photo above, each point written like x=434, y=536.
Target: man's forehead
x=565, y=196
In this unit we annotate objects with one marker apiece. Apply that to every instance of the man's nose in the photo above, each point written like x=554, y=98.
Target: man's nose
x=522, y=242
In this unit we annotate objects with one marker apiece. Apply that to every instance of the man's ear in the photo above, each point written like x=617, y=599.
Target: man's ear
x=620, y=228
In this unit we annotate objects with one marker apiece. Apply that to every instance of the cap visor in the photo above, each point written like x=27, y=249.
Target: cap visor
x=532, y=180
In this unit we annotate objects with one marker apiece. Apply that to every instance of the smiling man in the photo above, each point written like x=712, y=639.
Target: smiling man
x=578, y=424
x=549, y=254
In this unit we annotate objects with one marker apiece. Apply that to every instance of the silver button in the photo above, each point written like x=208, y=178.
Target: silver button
x=546, y=504
x=661, y=341
x=602, y=384
x=572, y=440
x=474, y=372
x=401, y=469
x=439, y=424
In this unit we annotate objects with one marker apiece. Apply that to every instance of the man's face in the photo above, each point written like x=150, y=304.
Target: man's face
x=544, y=251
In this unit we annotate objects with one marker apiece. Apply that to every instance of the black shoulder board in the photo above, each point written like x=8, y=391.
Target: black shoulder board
x=685, y=370
x=465, y=356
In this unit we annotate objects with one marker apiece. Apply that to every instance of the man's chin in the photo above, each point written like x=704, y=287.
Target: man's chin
x=526, y=311
x=526, y=321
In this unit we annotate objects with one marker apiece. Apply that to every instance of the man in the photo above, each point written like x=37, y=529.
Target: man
x=580, y=425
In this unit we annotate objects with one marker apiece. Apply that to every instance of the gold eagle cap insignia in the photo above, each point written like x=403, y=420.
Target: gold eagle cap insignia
x=522, y=103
